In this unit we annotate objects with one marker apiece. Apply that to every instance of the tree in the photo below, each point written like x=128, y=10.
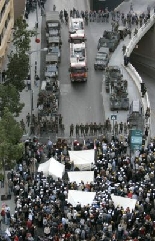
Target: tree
x=18, y=66
x=17, y=70
x=21, y=36
x=10, y=98
x=10, y=147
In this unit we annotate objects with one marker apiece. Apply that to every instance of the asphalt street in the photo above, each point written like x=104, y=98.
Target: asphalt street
x=88, y=102
x=80, y=102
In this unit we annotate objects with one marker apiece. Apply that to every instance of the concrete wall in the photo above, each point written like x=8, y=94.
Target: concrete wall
x=146, y=46
x=19, y=6
x=101, y=4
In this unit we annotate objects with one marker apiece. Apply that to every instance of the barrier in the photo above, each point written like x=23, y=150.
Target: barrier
x=134, y=74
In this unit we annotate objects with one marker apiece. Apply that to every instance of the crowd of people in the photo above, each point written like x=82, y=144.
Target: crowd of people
x=42, y=211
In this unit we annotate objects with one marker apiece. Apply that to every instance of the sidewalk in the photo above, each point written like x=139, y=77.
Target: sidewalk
x=26, y=95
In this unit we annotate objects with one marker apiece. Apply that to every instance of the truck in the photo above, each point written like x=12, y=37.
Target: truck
x=52, y=24
x=78, y=62
x=76, y=30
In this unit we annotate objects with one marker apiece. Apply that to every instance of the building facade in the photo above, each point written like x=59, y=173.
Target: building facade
x=6, y=25
x=19, y=8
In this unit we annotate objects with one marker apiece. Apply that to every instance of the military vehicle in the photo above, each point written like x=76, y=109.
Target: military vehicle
x=54, y=41
x=52, y=24
x=51, y=71
x=109, y=43
x=119, y=97
x=110, y=39
x=102, y=59
x=112, y=73
x=51, y=58
x=56, y=51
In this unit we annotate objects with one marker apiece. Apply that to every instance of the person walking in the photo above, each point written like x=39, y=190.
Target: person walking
x=28, y=119
x=36, y=82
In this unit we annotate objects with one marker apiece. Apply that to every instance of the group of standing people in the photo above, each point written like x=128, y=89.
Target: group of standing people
x=42, y=211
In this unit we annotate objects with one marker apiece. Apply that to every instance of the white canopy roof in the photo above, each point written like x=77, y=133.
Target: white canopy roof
x=53, y=168
x=85, y=176
x=82, y=159
x=124, y=202
x=84, y=198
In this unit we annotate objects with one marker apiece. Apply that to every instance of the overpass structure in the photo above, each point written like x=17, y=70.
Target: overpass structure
x=132, y=71
x=129, y=72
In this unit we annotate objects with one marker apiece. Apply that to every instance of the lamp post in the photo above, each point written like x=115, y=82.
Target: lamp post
x=30, y=66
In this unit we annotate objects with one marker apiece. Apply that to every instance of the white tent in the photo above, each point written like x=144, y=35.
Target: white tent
x=82, y=159
x=85, y=176
x=53, y=168
x=124, y=202
x=84, y=198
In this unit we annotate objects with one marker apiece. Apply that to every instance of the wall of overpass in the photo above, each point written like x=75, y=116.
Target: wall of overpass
x=133, y=46
x=102, y=4
x=143, y=57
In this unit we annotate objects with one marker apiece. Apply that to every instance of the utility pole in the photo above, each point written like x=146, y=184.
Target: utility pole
x=37, y=14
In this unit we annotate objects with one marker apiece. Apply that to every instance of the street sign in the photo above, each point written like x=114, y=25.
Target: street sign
x=136, y=139
x=113, y=117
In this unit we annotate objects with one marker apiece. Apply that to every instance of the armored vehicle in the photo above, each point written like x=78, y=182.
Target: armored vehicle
x=112, y=73
x=109, y=39
x=109, y=43
x=118, y=97
x=102, y=59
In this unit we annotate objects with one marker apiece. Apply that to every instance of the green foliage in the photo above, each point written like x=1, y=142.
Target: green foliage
x=17, y=70
x=10, y=135
x=18, y=66
x=10, y=98
x=21, y=35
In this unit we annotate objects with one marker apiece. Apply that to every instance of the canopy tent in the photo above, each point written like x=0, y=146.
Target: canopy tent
x=52, y=168
x=84, y=198
x=82, y=159
x=124, y=202
x=85, y=176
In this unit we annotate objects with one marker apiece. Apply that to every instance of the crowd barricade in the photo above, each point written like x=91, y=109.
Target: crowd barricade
x=134, y=74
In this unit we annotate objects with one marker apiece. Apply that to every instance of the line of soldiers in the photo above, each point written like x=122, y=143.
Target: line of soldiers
x=41, y=124
x=94, y=129
x=92, y=16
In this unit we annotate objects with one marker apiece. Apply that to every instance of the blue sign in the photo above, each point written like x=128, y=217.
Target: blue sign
x=113, y=117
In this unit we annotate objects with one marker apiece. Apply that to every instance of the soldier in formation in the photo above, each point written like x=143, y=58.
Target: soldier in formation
x=71, y=130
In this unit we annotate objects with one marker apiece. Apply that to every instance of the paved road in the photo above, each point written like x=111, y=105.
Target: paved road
x=80, y=102
x=83, y=102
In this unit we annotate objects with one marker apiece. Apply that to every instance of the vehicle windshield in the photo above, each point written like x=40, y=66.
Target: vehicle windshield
x=102, y=55
x=51, y=68
x=78, y=69
x=99, y=58
x=77, y=41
